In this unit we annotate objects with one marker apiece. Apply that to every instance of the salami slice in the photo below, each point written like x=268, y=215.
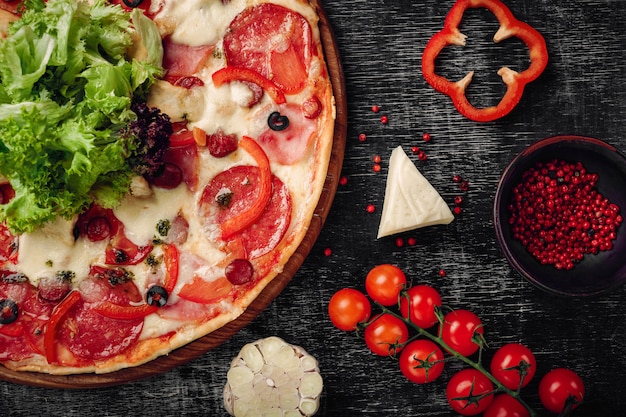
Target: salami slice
x=232, y=191
x=274, y=41
x=8, y=245
x=25, y=337
x=89, y=335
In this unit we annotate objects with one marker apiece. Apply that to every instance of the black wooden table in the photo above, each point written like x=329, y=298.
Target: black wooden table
x=583, y=92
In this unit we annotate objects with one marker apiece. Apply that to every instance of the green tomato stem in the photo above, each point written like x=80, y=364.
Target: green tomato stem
x=438, y=339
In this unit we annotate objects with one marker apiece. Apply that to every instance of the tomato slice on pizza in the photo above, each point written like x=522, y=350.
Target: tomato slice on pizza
x=199, y=235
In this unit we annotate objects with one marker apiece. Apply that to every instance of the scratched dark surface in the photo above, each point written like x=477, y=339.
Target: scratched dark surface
x=583, y=91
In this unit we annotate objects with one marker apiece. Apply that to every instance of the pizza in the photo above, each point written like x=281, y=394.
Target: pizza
x=244, y=99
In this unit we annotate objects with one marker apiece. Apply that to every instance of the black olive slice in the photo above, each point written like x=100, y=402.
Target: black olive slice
x=157, y=296
x=133, y=3
x=277, y=122
x=8, y=311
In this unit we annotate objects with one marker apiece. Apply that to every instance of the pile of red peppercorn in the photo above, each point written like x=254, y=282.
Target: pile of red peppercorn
x=559, y=216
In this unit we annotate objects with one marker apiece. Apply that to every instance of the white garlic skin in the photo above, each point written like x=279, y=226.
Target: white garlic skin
x=272, y=378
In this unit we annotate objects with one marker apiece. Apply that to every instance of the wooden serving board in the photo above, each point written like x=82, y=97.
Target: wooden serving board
x=202, y=345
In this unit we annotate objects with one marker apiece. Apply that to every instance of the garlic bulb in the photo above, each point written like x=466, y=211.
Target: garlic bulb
x=271, y=377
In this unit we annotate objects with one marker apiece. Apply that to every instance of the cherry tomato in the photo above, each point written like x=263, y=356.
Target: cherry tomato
x=386, y=335
x=384, y=283
x=420, y=301
x=421, y=361
x=557, y=386
x=510, y=362
x=465, y=392
x=459, y=328
x=503, y=405
x=347, y=308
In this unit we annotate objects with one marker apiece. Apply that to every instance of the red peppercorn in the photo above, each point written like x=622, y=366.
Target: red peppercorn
x=426, y=137
x=457, y=210
x=362, y=137
x=457, y=179
x=399, y=242
x=559, y=216
x=442, y=273
x=458, y=200
x=384, y=119
x=411, y=241
x=377, y=159
x=376, y=168
x=375, y=108
x=415, y=149
x=328, y=252
x=422, y=156
x=343, y=180
x=464, y=185
x=370, y=208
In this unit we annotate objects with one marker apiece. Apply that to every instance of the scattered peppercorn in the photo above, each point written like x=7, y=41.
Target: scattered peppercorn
x=457, y=179
x=442, y=273
x=412, y=241
x=464, y=185
x=426, y=137
x=384, y=119
x=370, y=208
x=421, y=155
x=343, y=180
x=376, y=159
x=362, y=137
x=399, y=242
x=458, y=200
x=375, y=108
x=457, y=210
x=415, y=150
x=376, y=168
x=559, y=216
x=328, y=252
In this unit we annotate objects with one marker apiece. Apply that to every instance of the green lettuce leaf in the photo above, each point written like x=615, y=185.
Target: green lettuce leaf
x=66, y=89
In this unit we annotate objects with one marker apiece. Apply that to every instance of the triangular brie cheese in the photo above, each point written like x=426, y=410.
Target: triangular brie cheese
x=410, y=201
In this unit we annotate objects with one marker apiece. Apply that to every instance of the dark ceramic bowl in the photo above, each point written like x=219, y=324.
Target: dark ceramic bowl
x=595, y=274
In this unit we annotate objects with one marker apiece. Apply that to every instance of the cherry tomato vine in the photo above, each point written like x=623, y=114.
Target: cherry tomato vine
x=414, y=327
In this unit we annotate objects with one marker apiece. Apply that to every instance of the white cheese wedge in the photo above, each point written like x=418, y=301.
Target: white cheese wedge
x=411, y=201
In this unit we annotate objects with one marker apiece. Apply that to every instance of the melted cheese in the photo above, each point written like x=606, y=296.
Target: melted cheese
x=36, y=259
x=141, y=215
x=199, y=22
x=411, y=201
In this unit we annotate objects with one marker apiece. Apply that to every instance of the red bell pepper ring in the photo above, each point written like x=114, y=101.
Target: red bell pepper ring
x=248, y=217
x=50, y=345
x=229, y=74
x=200, y=291
x=515, y=81
x=120, y=312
